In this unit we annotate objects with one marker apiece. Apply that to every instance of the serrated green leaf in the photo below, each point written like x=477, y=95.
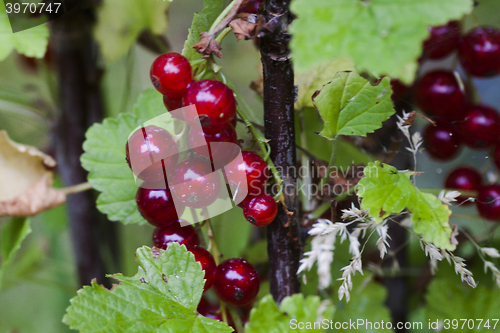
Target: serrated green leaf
x=385, y=191
x=447, y=299
x=350, y=105
x=312, y=80
x=161, y=297
x=201, y=23
x=380, y=36
x=119, y=23
x=12, y=235
x=266, y=317
x=430, y=219
x=104, y=159
x=31, y=42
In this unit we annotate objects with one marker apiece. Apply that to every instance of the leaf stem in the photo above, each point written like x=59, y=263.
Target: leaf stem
x=331, y=164
x=77, y=188
x=223, y=34
x=212, y=244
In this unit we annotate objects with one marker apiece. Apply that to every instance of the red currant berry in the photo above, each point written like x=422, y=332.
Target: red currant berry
x=151, y=143
x=157, y=206
x=251, y=7
x=198, y=141
x=214, y=102
x=236, y=282
x=464, y=179
x=399, y=89
x=255, y=169
x=496, y=156
x=194, y=183
x=172, y=103
x=442, y=41
x=479, y=52
x=480, y=128
x=439, y=93
x=208, y=309
x=488, y=202
x=207, y=264
x=175, y=233
x=171, y=73
x=441, y=141
x=260, y=210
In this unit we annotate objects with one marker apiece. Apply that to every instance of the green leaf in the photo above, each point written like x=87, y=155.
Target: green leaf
x=367, y=304
x=266, y=317
x=119, y=23
x=104, y=159
x=385, y=191
x=201, y=23
x=312, y=80
x=12, y=235
x=31, y=42
x=380, y=36
x=447, y=299
x=161, y=297
x=350, y=105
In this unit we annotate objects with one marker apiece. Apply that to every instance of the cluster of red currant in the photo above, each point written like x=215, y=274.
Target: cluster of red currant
x=235, y=280
x=443, y=95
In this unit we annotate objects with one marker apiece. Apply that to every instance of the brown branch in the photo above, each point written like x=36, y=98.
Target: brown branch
x=283, y=235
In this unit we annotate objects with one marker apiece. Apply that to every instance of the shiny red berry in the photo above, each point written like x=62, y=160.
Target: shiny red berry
x=236, y=282
x=194, y=182
x=464, y=179
x=255, y=169
x=208, y=309
x=147, y=144
x=439, y=93
x=488, y=202
x=260, y=210
x=208, y=145
x=441, y=141
x=171, y=73
x=480, y=128
x=207, y=263
x=172, y=103
x=214, y=103
x=442, y=41
x=175, y=233
x=251, y=7
x=157, y=206
x=479, y=52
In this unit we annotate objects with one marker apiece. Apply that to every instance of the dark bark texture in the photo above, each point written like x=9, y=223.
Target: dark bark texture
x=80, y=106
x=284, y=244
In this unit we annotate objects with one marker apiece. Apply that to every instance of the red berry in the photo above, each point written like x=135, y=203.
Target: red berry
x=172, y=103
x=251, y=7
x=479, y=51
x=442, y=41
x=439, y=93
x=198, y=141
x=214, y=102
x=236, y=282
x=488, y=202
x=464, y=179
x=481, y=127
x=441, y=141
x=260, y=210
x=399, y=89
x=208, y=309
x=207, y=264
x=157, y=206
x=171, y=73
x=151, y=143
x=194, y=183
x=175, y=233
x=255, y=169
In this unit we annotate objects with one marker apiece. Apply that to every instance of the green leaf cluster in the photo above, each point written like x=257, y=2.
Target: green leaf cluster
x=385, y=191
x=161, y=297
